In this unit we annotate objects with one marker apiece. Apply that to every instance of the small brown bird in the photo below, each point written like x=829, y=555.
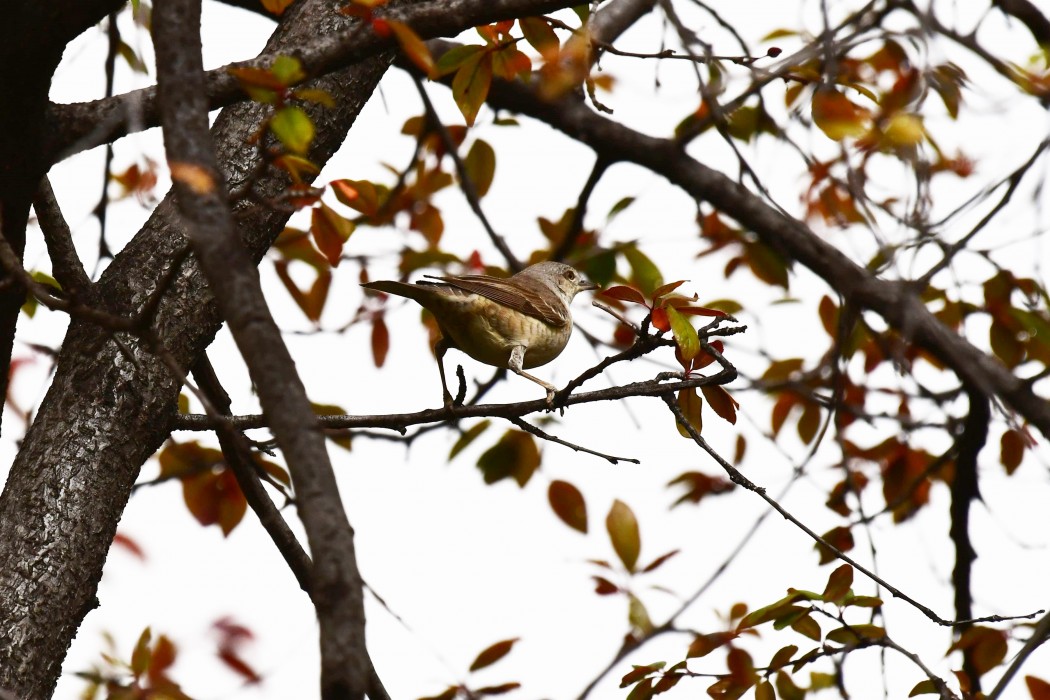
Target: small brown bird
x=518, y=322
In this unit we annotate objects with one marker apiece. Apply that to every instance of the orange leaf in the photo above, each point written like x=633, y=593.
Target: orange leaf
x=837, y=117
x=330, y=231
x=413, y=47
x=721, y=402
x=1037, y=688
x=493, y=654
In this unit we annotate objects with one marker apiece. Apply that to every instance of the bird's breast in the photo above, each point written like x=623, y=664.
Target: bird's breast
x=488, y=331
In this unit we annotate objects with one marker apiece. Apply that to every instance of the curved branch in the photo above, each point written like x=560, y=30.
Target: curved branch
x=78, y=127
x=897, y=302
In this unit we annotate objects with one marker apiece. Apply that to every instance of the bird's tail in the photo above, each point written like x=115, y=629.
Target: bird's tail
x=401, y=289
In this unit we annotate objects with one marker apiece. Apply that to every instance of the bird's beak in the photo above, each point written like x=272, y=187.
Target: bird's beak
x=586, y=286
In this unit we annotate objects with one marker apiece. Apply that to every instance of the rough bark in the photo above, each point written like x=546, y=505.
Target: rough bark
x=32, y=37
x=110, y=405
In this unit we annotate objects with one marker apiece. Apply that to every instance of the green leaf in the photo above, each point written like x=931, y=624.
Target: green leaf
x=684, y=334
x=539, y=34
x=514, y=456
x=624, y=534
x=287, y=70
x=293, y=128
x=470, y=85
x=468, y=437
x=855, y=634
x=644, y=272
x=480, y=164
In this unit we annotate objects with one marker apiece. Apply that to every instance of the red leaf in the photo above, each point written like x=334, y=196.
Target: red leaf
x=623, y=294
x=1037, y=688
x=380, y=340
x=660, y=320
x=568, y=504
x=721, y=402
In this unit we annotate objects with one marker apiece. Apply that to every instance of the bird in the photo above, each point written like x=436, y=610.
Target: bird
x=516, y=322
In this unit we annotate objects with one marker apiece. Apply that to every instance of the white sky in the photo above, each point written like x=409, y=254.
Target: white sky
x=464, y=565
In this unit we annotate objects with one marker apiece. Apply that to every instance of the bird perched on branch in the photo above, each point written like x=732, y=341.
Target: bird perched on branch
x=518, y=322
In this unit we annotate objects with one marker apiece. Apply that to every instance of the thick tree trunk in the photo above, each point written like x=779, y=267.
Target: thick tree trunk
x=111, y=403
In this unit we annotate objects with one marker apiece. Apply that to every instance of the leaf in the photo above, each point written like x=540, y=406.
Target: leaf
x=839, y=537
x=624, y=534
x=644, y=272
x=501, y=689
x=330, y=231
x=685, y=336
x=783, y=656
x=413, y=47
x=568, y=504
x=140, y=657
x=468, y=437
x=1011, y=450
x=637, y=615
x=924, y=687
x=470, y=85
x=454, y=58
x=276, y=7
x=1037, y=688
x=809, y=422
x=623, y=293
x=699, y=485
x=493, y=654
x=508, y=63
x=293, y=128
x=515, y=456
x=985, y=646
x=215, y=499
x=380, y=340
x=837, y=117
x=539, y=34
x=807, y=627
x=839, y=583
x=357, y=194
x=287, y=70
x=704, y=644
x=721, y=402
x=655, y=563
x=764, y=691
x=692, y=406
x=855, y=634
x=480, y=164
x=619, y=207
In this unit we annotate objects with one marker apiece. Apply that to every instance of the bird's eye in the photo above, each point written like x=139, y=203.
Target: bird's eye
x=570, y=274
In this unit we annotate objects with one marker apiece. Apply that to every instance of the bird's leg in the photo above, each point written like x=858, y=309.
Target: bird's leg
x=517, y=357
x=440, y=349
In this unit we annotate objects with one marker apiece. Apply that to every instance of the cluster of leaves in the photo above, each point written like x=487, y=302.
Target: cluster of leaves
x=147, y=675
x=209, y=488
x=144, y=677
x=489, y=656
x=798, y=611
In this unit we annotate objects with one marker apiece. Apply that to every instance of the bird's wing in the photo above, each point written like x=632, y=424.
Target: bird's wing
x=527, y=298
